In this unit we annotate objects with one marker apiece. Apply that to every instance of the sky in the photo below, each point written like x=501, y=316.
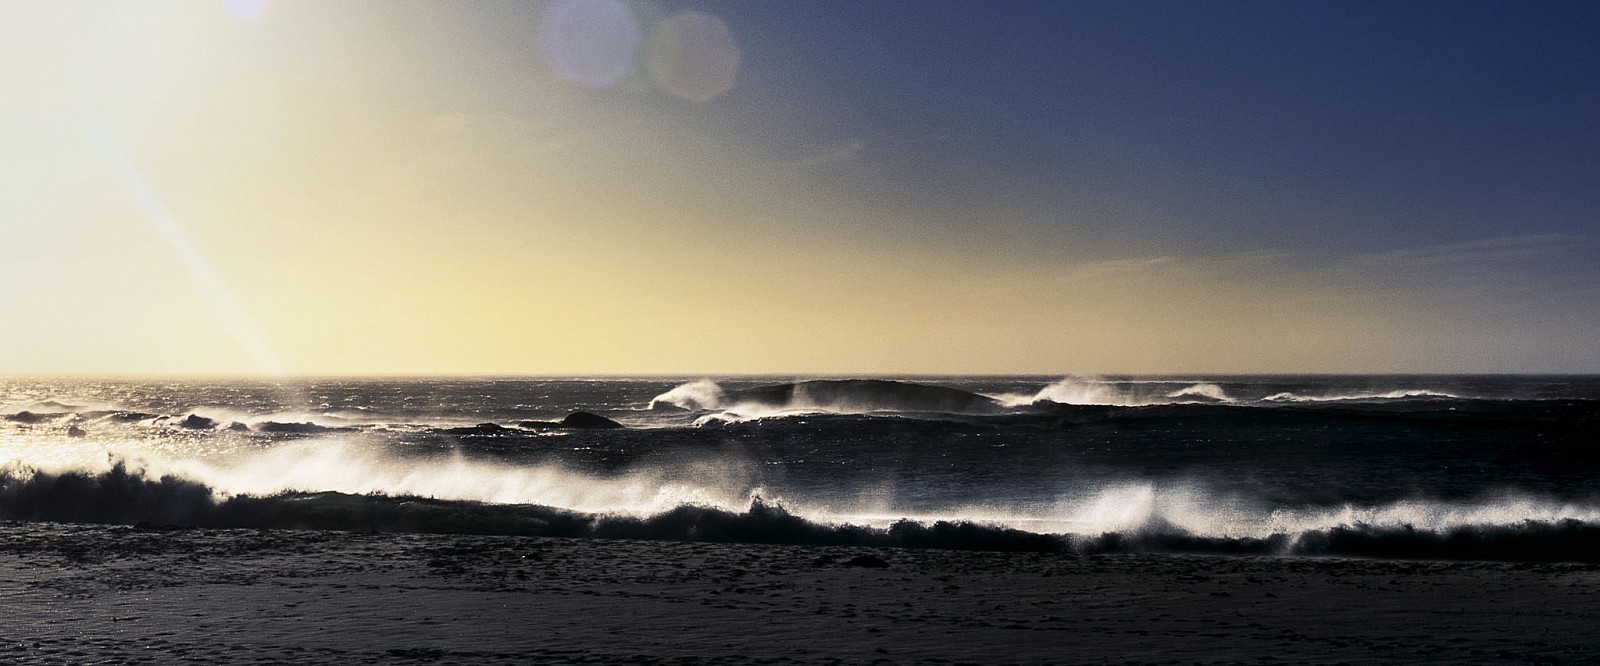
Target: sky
x=601, y=187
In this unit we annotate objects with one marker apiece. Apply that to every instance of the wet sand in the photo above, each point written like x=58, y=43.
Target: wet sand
x=101, y=594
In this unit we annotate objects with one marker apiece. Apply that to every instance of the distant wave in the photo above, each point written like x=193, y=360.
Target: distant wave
x=55, y=407
x=214, y=417
x=866, y=396
x=1509, y=529
x=1065, y=403
x=1206, y=391
x=827, y=395
x=697, y=395
x=1079, y=390
x=710, y=403
x=1402, y=394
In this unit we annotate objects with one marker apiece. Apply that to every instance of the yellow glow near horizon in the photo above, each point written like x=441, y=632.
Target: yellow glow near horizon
x=374, y=198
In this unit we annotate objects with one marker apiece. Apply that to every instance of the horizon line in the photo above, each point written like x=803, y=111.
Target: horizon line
x=5, y=376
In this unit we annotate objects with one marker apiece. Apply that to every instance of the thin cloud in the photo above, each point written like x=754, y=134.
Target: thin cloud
x=1243, y=263
x=845, y=152
x=1503, y=249
x=1095, y=270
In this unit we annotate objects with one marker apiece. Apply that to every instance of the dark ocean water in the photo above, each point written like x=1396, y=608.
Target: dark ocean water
x=1424, y=466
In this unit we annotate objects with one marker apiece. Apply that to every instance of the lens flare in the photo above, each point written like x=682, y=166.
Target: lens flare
x=247, y=10
x=592, y=42
x=154, y=209
x=693, y=56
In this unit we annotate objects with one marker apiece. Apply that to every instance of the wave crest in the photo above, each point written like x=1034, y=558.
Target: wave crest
x=127, y=494
x=1206, y=391
x=841, y=396
x=1082, y=390
x=1398, y=394
x=696, y=395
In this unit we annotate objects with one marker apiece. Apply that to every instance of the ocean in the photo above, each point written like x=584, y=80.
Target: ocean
x=1435, y=467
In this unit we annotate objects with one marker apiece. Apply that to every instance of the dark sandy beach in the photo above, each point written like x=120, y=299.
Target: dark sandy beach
x=99, y=594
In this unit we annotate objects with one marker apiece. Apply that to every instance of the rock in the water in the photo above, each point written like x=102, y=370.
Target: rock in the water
x=132, y=416
x=576, y=420
x=587, y=420
x=306, y=428
x=27, y=417
x=480, y=430
x=197, y=422
x=75, y=431
x=120, y=417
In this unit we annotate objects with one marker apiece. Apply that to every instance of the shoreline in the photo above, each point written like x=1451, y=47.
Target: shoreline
x=97, y=593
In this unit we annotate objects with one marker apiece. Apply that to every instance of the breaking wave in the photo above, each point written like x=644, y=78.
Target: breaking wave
x=1207, y=391
x=706, y=402
x=697, y=395
x=845, y=396
x=865, y=396
x=1403, y=394
x=1382, y=466
x=1133, y=518
x=1092, y=391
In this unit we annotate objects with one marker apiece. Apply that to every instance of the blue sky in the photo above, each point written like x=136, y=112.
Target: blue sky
x=1311, y=126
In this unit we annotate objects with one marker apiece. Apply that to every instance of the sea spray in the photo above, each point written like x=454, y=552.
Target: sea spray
x=121, y=495
x=1393, y=466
